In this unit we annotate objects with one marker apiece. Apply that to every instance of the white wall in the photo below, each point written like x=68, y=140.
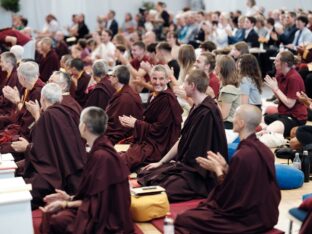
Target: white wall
x=36, y=10
x=231, y=5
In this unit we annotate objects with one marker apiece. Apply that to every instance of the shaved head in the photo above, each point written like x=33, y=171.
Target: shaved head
x=250, y=114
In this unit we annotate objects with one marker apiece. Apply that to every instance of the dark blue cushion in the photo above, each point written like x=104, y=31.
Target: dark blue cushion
x=288, y=177
x=298, y=213
x=237, y=140
x=305, y=196
x=231, y=149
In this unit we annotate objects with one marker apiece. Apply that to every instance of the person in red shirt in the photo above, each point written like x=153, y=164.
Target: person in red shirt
x=291, y=112
x=207, y=62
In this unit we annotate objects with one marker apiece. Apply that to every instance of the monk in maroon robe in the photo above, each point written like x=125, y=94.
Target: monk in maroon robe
x=247, y=197
x=49, y=60
x=80, y=81
x=63, y=80
x=161, y=125
x=102, y=204
x=28, y=73
x=124, y=102
x=55, y=157
x=103, y=90
x=203, y=130
x=7, y=108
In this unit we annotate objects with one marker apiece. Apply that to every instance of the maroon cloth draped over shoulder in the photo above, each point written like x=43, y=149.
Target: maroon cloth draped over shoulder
x=105, y=195
x=21, y=38
x=57, y=154
x=101, y=94
x=157, y=132
x=24, y=120
x=124, y=102
x=79, y=92
x=185, y=179
x=73, y=107
x=247, y=200
x=48, y=64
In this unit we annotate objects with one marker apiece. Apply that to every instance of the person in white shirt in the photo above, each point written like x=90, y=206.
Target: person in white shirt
x=105, y=49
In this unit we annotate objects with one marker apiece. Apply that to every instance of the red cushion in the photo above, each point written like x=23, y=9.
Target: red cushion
x=175, y=209
x=275, y=231
x=36, y=217
x=134, y=183
x=306, y=204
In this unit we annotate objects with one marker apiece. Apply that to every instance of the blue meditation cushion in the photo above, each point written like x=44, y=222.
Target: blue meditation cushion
x=288, y=177
x=231, y=150
x=237, y=140
x=306, y=196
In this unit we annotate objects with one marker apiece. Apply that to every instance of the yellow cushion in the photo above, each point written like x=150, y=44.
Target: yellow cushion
x=148, y=207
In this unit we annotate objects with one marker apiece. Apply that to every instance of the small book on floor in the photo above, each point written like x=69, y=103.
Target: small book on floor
x=147, y=190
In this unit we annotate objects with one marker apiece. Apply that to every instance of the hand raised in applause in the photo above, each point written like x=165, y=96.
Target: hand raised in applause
x=303, y=98
x=127, y=121
x=213, y=162
x=34, y=108
x=12, y=94
x=146, y=66
x=60, y=195
x=271, y=82
x=20, y=145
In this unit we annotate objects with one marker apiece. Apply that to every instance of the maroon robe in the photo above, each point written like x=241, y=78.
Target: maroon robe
x=56, y=158
x=306, y=226
x=184, y=179
x=247, y=200
x=104, y=191
x=24, y=120
x=21, y=38
x=101, y=94
x=123, y=102
x=48, y=64
x=7, y=108
x=73, y=107
x=61, y=49
x=157, y=132
x=79, y=92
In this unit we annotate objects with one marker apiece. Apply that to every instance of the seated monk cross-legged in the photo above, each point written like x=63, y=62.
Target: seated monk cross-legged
x=203, y=130
x=247, y=196
x=125, y=101
x=102, y=203
x=161, y=125
x=54, y=159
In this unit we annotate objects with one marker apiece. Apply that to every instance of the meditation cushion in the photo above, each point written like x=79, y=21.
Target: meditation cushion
x=148, y=207
x=271, y=110
x=288, y=177
x=231, y=150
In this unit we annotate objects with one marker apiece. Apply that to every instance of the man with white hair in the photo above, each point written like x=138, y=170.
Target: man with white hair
x=56, y=137
x=28, y=76
x=18, y=51
x=49, y=60
x=8, y=65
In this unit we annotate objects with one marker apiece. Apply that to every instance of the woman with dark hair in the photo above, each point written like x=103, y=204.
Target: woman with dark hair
x=251, y=80
x=229, y=97
x=172, y=39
